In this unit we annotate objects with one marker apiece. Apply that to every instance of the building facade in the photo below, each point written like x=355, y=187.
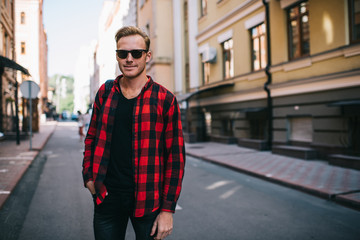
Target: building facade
x=281, y=75
x=114, y=15
x=7, y=75
x=155, y=17
x=31, y=45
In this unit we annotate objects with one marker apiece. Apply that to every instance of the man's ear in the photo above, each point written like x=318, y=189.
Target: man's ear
x=148, y=56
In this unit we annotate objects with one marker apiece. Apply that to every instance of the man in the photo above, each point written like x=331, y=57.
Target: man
x=134, y=150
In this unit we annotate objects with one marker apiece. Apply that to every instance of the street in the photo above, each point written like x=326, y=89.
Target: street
x=216, y=203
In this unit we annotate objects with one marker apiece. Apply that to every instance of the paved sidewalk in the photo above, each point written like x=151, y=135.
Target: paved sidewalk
x=317, y=177
x=15, y=159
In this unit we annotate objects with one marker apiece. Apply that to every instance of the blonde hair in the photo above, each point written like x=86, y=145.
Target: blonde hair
x=132, y=30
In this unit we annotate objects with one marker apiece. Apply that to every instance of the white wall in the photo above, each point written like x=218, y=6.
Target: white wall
x=111, y=20
x=28, y=33
x=83, y=70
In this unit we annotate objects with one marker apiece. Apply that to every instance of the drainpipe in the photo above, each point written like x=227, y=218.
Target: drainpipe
x=1, y=98
x=268, y=74
x=17, y=113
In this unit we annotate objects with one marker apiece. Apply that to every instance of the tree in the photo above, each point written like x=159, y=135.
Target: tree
x=63, y=96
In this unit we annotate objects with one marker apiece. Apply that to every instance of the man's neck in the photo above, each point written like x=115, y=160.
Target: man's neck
x=133, y=83
x=131, y=87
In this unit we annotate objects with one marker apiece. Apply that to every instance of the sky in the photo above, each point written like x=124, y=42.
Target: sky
x=69, y=24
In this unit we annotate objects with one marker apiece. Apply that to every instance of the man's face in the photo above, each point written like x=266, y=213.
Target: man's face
x=132, y=67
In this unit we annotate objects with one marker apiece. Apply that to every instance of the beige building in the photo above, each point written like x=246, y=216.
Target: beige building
x=31, y=49
x=278, y=74
x=275, y=74
x=155, y=17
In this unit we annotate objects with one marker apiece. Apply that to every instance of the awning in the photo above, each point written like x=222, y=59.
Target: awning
x=184, y=97
x=258, y=109
x=344, y=103
x=187, y=96
x=8, y=63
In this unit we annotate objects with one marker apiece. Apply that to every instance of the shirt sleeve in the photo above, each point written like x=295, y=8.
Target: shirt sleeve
x=90, y=138
x=174, y=160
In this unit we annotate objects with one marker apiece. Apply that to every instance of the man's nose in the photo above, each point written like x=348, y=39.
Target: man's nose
x=129, y=57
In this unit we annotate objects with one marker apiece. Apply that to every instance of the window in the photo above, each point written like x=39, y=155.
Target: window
x=298, y=25
x=205, y=67
x=6, y=45
x=301, y=129
x=354, y=13
x=203, y=8
x=147, y=29
x=227, y=126
x=258, y=47
x=228, y=58
x=23, y=48
x=22, y=16
x=208, y=123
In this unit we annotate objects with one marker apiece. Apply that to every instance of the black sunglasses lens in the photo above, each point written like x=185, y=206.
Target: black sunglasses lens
x=136, y=53
x=122, y=53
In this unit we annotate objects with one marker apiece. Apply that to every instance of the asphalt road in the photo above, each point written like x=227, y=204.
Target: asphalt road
x=216, y=203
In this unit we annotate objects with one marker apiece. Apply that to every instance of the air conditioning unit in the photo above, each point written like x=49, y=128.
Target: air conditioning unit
x=209, y=55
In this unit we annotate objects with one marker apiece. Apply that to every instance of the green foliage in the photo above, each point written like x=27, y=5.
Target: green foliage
x=63, y=92
x=67, y=103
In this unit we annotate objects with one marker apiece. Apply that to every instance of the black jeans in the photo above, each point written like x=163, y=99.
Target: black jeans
x=111, y=218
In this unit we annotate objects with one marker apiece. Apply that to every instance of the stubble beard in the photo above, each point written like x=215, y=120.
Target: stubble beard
x=139, y=73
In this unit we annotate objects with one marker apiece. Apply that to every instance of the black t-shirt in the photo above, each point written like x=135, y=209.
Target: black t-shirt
x=120, y=175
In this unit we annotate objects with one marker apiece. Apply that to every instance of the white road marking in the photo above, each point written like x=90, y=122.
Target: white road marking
x=230, y=192
x=4, y=192
x=4, y=170
x=218, y=184
x=178, y=207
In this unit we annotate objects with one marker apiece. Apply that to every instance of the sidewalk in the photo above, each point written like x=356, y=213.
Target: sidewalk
x=317, y=177
x=15, y=159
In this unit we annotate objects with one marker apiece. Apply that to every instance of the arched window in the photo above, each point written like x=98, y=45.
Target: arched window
x=22, y=18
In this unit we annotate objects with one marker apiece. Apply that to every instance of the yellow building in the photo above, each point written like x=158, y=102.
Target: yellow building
x=155, y=18
x=278, y=74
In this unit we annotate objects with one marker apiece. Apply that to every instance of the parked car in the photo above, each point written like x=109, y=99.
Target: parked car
x=74, y=116
x=65, y=115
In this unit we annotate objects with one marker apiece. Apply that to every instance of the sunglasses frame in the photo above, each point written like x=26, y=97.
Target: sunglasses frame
x=132, y=52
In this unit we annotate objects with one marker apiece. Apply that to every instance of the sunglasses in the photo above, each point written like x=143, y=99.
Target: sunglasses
x=136, y=53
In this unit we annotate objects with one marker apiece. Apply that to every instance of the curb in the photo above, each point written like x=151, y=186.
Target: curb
x=315, y=192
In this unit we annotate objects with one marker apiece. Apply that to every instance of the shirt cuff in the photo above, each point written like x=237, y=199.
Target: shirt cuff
x=168, y=206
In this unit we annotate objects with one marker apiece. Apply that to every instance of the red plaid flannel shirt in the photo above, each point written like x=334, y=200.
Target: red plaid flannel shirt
x=157, y=142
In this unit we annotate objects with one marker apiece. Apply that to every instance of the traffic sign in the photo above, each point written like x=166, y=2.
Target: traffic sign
x=29, y=89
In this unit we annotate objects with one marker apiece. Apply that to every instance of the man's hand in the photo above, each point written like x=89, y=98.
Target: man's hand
x=163, y=224
x=90, y=185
